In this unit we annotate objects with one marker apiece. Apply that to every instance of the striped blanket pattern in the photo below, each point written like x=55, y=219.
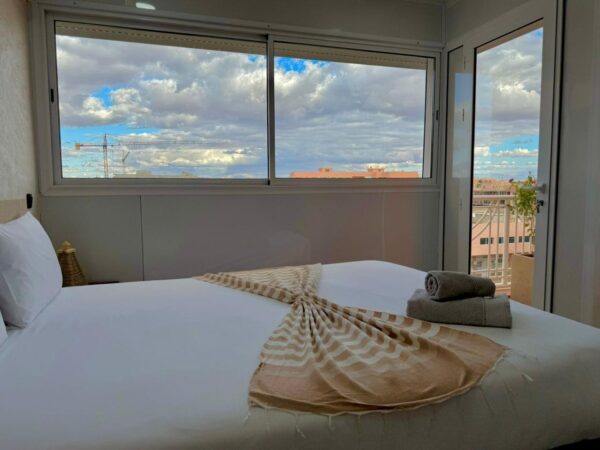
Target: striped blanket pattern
x=329, y=359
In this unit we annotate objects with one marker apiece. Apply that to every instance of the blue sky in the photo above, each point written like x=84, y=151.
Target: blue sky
x=296, y=64
x=104, y=94
x=515, y=157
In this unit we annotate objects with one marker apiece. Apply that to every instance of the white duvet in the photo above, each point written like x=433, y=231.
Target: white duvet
x=159, y=364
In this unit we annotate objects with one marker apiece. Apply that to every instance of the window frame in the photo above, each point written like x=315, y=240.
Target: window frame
x=47, y=120
x=429, y=119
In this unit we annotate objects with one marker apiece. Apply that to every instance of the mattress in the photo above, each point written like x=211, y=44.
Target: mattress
x=166, y=364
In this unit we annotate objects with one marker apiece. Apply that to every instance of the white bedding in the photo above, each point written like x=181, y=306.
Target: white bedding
x=158, y=364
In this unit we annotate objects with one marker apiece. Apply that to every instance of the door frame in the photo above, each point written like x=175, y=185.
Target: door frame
x=551, y=12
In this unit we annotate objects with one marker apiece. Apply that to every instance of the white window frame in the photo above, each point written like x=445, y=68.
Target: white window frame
x=429, y=120
x=552, y=13
x=47, y=127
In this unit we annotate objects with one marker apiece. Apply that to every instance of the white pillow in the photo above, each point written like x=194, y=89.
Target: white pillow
x=3, y=334
x=30, y=275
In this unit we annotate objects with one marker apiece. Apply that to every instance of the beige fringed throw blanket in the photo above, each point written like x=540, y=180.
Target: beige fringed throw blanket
x=329, y=359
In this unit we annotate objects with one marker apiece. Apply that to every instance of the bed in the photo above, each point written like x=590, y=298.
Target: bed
x=166, y=364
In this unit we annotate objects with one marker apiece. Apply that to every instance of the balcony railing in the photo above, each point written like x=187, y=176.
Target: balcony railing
x=497, y=232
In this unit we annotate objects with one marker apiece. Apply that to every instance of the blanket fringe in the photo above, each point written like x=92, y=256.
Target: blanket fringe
x=487, y=402
x=510, y=394
x=246, y=418
x=267, y=422
x=383, y=430
x=505, y=359
x=527, y=377
x=298, y=430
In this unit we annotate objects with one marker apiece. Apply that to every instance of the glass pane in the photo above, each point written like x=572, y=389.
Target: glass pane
x=154, y=105
x=458, y=161
x=508, y=92
x=507, y=125
x=343, y=114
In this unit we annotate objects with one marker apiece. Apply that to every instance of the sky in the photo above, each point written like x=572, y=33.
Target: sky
x=203, y=112
x=199, y=112
x=507, y=108
x=348, y=116
x=213, y=104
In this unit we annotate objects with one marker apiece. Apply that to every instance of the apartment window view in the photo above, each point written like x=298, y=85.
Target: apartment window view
x=348, y=114
x=138, y=104
x=151, y=105
x=507, y=121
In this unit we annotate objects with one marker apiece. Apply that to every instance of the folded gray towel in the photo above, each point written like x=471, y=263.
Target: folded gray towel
x=488, y=312
x=444, y=285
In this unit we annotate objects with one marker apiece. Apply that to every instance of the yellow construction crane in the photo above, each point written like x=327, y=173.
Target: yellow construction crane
x=105, y=145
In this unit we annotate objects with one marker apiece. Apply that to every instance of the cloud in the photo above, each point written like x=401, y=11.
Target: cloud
x=482, y=150
x=507, y=119
x=516, y=153
x=193, y=158
x=343, y=115
x=126, y=106
x=508, y=90
x=365, y=114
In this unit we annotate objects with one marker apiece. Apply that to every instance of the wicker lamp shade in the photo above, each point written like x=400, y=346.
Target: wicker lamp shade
x=71, y=271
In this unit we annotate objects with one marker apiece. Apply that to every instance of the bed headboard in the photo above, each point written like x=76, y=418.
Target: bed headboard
x=14, y=208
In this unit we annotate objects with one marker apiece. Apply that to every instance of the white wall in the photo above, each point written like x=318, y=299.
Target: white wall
x=390, y=18
x=466, y=15
x=152, y=237
x=106, y=231
x=577, y=258
x=17, y=161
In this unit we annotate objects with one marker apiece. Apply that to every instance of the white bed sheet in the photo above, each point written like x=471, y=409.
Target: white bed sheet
x=166, y=364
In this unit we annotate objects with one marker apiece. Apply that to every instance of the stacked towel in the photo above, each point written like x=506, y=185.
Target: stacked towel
x=478, y=311
x=443, y=285
x=459, y=298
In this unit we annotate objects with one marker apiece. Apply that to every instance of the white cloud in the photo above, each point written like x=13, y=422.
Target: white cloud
x=517, y=153
x=193, y=157
x=340, y=115
x=482, y=150
x=126, y=107
x=508, y=98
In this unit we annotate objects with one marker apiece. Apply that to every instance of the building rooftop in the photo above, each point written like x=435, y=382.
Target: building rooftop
x=371, y=172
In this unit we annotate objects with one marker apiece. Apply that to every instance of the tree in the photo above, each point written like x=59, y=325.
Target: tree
x=526, y=204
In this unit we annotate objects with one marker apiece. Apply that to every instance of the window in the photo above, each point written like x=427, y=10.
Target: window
x=131, y=105
x=350, y=114
x=484, y=241
x=158, y=105
x=511, y=240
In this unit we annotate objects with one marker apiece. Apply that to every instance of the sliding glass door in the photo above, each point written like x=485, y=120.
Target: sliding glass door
x=505, y=160
x=500, y=139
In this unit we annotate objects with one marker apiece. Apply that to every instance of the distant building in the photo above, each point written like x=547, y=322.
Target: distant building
x=497, y=231
x=492, y=186
x=371, y=172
